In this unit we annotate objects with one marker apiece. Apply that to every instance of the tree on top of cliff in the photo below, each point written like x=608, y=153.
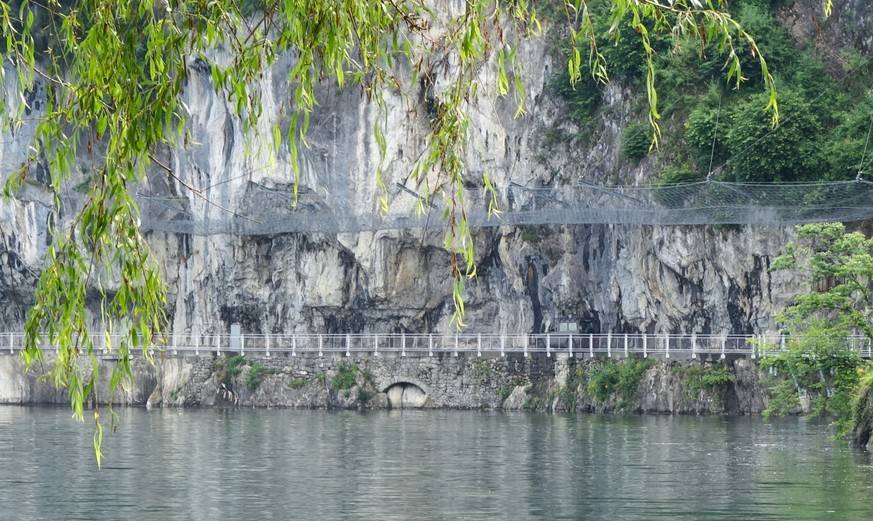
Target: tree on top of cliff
x=114, y=74
x=839, y=267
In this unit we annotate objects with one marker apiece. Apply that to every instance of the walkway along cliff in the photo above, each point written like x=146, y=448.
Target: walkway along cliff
x=556, y=380
x=673, y=374
x=537, y=383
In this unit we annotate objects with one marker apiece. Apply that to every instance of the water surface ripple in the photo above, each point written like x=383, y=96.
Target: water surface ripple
x=291, y=464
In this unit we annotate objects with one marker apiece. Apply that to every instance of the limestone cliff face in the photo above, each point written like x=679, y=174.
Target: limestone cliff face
x=608, y=278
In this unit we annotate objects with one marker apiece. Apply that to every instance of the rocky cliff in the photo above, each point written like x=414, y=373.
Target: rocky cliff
x=862, y=432
x=603, y=277
x=536, y=383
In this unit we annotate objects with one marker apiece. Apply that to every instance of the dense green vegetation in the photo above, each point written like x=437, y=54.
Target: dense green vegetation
x=616, y=382
x=256, y=375
x=350, y=375
x=817, y=366
x=616, y=379
x=697, y=378
x=345, y=377
x=234, y=365
x=229, y=368
x=826, y=106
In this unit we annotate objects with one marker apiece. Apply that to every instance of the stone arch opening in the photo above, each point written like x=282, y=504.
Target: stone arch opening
x=405, y=395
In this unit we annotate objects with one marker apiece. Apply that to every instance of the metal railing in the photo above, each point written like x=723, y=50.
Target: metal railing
x=575, y=344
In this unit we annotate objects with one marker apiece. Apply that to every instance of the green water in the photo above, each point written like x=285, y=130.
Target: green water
x=284, y=464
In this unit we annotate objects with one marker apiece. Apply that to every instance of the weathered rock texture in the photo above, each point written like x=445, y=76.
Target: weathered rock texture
x=556, y=384
x=862, y=434
x=608, y=278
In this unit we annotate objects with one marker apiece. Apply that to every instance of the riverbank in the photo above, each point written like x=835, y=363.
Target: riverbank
x=554, y=383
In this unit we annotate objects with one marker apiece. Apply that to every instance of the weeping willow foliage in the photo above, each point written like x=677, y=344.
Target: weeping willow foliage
x=114, y=73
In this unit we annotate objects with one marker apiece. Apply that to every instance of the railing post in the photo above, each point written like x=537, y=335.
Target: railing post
x=645, y=345
x=320, y=346
x=548, y=345
x=753, y=349
x=456, y=344
x=479, y=344
x=590, y=345
x=402, y=344
x=242, y=345
x=11, y=342
x=723, y=342
x=782, y=343
x=176, y=345
x=348, y=345
x=693, y=345
x=667, y=344
x=430, y=345
x=625, y=345
x=526, y=341
x=217, y=345
x=570, y=345
x=375, y=345
x=609, y=345
x=293, y=345
x=502, y=345
x=267, y=344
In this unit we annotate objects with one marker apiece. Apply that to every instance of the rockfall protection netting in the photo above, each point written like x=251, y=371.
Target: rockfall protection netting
x=263, y=211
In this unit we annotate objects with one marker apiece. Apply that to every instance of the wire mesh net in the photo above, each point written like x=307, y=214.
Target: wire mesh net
x=266, y=212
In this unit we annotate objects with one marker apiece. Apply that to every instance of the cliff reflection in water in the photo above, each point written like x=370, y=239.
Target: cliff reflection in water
x=293, y=464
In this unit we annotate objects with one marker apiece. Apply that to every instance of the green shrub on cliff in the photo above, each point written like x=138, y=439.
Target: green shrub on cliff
x=228, y=368
x=234, y=365
x=791, y=152
x=696, y=378
x=677, y=174
x=568, y=393
x=296, y=383
x=616, y=379
x=345, y=377
x=635, y=142
x=826, y=112
x=256, y=375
